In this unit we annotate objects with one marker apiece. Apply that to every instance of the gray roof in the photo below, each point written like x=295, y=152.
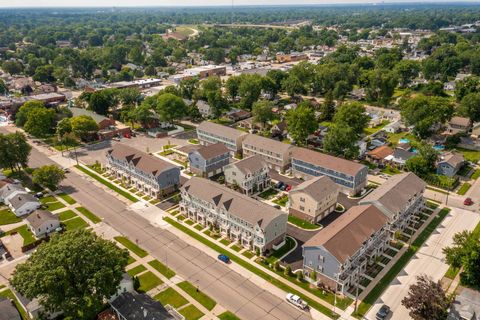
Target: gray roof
x=212, y=151
x=466, y=305
x=250, y=164
x=395, y=193
x=84, y=112
x=139, y=306
x=452, y=158
x=38, y=217
x=317, y=187
x=220, y=130
x=19, y=200
x=267, y=144
x=8, y=310
x=402, y=154
x=7, y=189
x=237, y=204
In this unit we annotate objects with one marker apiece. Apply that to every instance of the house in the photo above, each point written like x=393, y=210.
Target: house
x=350, y=176
x=9, y=190
x=393, y=127
x=275, y=153
x=209, y=161
x=23, y=203
x=151, y=175
x=8, y=311
x=399, y=157
x=139, y=306
x=398, y=198
x=204, y=108
x=466, y=305
x=458, y=125
x=343, y=249
x=237, y=115
x=449, y=163
x=279, y=129
x=253, y=224
x=250, y=175
x=379, y=154
x=107, y=127
x=126, y=285
x=42, y=222
x=314, y=199
x=210, y=133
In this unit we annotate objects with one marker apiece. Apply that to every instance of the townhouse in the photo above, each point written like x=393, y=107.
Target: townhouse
x=275, y=153
x=249, y=175
x=209, y=161
x=151, y=175
x=349, y=175
x=314, y=199
x=210, y=133
x=253, y=224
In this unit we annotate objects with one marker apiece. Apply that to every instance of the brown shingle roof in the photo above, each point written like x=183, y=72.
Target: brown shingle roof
x=220, y=130
x=460, y=121
x=380, y=152
x=346, y=235
x=317, y=187
x=267, y=144
x=250, y=164
x=38, y=217
x=237, y=204
x=139, y=159
x=327, y=161
x=212, y=151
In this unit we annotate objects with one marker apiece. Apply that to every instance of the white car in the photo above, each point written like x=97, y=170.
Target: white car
x=296, y=301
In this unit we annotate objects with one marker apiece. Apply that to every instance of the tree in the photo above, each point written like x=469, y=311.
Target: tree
x=380, y=85
x=14, y=150
x=352, y=115
x=12, y=67
x=48, y=176
x=262, y=112
x=407, y=70
x=40, y=122
x=327, y=108
x=101, y=101
x=64, y=127
x=301, y=122
x=84, y=127
x=341, y=141
x=170, y=108
x=424, y=162
x=188, y=87
x=417, y=165
x=249, y=89
x=22, y=115
x=468, y=85
x=73, y=273
x=232, y=86
x=470, y=106
x=293, y=86
x=143, y=113
x=426, y=300
x=3, y=87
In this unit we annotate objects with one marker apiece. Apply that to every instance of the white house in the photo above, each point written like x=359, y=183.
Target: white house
x=42, y=222
x=23, y=204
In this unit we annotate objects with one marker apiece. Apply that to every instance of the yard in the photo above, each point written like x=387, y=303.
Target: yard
x=8, y=217
x=131, y=246
x=66, y=215
x=136, y=270
x=75, y=223
x=369, y=131
x=191, y=312
x=277, y=254
x=171, y=297
x=9, y=295
x=27, y=235
x=395, y=137
x=268, y=194
x=198, y=295
x=89, y=215
x=470, y=155
x=163, y=269
x=148, y=281
x=302, y=223
x=281, y=201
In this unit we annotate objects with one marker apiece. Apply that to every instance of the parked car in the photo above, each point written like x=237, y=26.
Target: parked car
x=288, y=188
x=39, y=195
x=284, y=187
x=66, y=170
x=383, y=312
x=296, y=301
x=224, y=258
x=279, y=185
x=468, y=202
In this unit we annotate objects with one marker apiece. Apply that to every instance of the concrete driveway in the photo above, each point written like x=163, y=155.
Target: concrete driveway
x=428, y=260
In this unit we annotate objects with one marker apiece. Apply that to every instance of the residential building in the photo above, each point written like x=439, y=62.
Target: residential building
x=466, y=305
x=253, y=224
x=314, y=199
x=151, y=175
x=458, y=125
x=277, y=154
x=8, y=311
x=341, y=251
x=204, y=108
x=42, y=222
x=209, y=161
x=23, y=203
x=449, y=163
x=250, y=175
x=107, y=126
x=398, y=198
x=10, y=190
x=210, y=133
x=132, y=305
x=350, y=176
x=379, y=154
x=400, y=157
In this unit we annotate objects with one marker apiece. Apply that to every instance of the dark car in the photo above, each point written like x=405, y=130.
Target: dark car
x=383, y=312
x=224, y=258
x=468, y=202
x=279, y=185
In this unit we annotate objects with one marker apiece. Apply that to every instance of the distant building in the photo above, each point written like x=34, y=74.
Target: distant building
x=291, y=57
x=42, y=222
x=210, y=133
x=209, y=161
x=450, y=163
x=313, y=199
x=108, y=128
x=204, y=108
x=277, y=154
x=200, y=72
x=250, y=175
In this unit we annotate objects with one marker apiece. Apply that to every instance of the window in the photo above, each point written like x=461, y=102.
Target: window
x=302, y=199
x=302, y=208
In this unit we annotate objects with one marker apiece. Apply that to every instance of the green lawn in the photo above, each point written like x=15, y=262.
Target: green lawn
x=390, y=170
x=9, y=294
x=89, y=215
x=369, y=131
x=68, y=199
x=268, y=194
x=163, y=269
x=52, y=206
x=225, y=242
x=236, y=248
x=277, y=254
x=470, y=155
x=67, y=214
x=320, y=307
x=131, y=246
x=48, y=199
x=8, y=217
x=193, y=141
x=476, y=174
x=302, y=223
x=451, y=272
x=198, y=295
x=107, y=184
x=75, y=223
x=171, y=297
x=248, y=254
x=148, y=281
x=227, y=315
x=136, y=270
x=395, y=137
x=373, y=295
x=464, y=188
x=191, y=312
x=26, y=234
x=282, y=201
x=130, y=260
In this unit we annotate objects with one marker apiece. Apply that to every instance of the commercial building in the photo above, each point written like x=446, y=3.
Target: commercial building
x=210, y=133
x=209, y=161
x=200, y=72
x=151, y=175
x=275, y=153
x=291, y=57
x=313, y=199
x=249, y=175
x=253, y=224
x=349, y=175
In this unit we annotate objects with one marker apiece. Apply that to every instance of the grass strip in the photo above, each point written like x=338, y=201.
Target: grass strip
x=68, y=199
x=464, y=188
x=228, y=315
x=148, y=281
x=136, y=270
x=191, y=312
x=163, y=269
x=9, y=295
x=198, y=295
x=171, y=297
x=107, y=184
x=302, y=223
x=131, y=246
x=89, y=215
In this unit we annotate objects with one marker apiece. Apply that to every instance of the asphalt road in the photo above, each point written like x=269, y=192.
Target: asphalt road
x=230, y=289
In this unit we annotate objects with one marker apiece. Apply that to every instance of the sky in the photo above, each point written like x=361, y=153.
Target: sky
x=170, y=3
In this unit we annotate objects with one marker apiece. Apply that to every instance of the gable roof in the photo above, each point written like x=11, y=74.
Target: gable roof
x=140, y=160
x=459, y=121
x=9, y=188
x=237, y=204
x=19, y=200
x=220, y=130
x=452, y=158
x=267, y=144
x=317, y=187
x=212, y=151
x=139, y=306
x=346, y=235
x=38, y=217
x=402, y=154
x=380, y=152
x=250, y=164
x=327, y=161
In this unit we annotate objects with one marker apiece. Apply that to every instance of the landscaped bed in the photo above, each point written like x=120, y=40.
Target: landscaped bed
x=302, y=223
x=282, y=201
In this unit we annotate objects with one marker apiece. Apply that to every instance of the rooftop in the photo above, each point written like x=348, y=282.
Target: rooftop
x=38, y=217
x=250, y=164
x=267, y=144
x=212, y=150
x=220, y=130
x=136, y=306
x=317, y=187
x=84, y=112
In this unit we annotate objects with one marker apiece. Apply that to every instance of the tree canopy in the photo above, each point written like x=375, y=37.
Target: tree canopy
x=301, y=122
x=48, y=176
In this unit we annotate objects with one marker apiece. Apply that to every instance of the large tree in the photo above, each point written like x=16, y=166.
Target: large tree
x=40, y=122
x=48, y=176
x=407, y=70
x=352, y=115
x=21, y=116
x=74, y=273
x=14, y=150
x=301, y=122
x=84, y=127
x=170, y=108
x=250, y=89
x=262, y=112
x=341, y=141
x=293, y=86
x=470, y=106
x=426, y=300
